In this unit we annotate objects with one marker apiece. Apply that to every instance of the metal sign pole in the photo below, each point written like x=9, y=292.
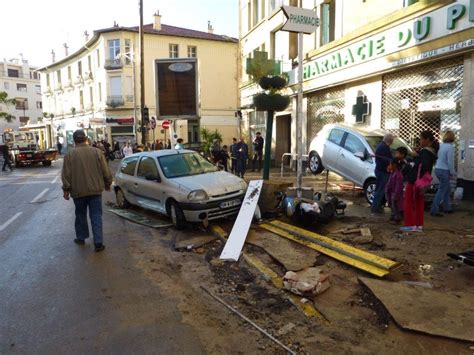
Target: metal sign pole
x=299, y=119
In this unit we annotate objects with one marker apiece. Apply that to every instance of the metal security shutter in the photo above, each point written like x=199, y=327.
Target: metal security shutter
x=422, y=98
x=324, y=107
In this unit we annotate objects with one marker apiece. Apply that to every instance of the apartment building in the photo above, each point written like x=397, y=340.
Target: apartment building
x=97, y=88
x=22, y=83
x=400, y=65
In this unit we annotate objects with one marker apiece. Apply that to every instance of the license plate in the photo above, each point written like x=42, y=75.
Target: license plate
x=29, y=155
x=228, y=204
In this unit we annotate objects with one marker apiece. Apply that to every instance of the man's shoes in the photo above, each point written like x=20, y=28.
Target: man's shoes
x=99, y=247
x=79, y=241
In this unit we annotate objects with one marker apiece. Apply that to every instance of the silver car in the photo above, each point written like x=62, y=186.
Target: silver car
x=180, y=184
x=349, y=151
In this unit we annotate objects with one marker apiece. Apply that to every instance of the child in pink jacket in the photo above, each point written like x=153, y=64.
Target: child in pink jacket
x=395, y=185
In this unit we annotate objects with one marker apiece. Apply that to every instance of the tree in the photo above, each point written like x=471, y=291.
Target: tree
x=7, y=102
x=208, y=138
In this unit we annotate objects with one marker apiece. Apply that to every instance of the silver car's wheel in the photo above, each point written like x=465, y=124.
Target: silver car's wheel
x=121, y=200
x=315, y=164
x=369, y=190
x=177, y=215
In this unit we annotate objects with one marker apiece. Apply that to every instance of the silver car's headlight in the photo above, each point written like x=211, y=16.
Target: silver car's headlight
x=198, y=195
x=243, y=185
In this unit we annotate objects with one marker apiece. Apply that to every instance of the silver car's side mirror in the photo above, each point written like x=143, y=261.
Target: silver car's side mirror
x=360, y=155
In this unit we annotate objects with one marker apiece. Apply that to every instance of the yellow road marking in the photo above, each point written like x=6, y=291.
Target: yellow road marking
x=332, y=253
x=340, y=247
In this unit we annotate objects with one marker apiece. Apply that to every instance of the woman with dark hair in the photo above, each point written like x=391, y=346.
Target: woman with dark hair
x=418, y=177
x=444, y=169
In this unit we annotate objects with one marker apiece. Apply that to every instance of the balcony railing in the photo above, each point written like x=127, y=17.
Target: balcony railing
x=68, y=84
x=58, y=87
x=88, y=76
x=79, y=80
x=47, y=90
x=89, y=107
x=111, y=64
x=115, y=101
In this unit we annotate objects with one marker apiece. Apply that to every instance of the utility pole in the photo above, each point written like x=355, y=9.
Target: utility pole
x=144, y=131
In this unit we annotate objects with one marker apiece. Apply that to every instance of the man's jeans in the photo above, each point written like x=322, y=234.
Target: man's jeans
x=444, y=190
x=380, y=183
x=94, y=203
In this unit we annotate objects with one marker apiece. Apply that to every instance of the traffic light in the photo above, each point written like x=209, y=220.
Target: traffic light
x=145, y=116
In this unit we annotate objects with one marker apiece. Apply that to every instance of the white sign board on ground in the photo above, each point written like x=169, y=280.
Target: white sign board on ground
x=237, y=237
x=300, y=20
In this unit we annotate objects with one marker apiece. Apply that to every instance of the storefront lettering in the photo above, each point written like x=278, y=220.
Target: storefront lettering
x=455, y=12
x=421, y=28
x=458, y=17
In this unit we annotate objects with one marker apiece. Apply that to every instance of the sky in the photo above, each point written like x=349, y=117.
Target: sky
x=35, y=27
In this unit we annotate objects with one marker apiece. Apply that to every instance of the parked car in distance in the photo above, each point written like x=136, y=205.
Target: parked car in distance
x=349, y=151
x=178, y=183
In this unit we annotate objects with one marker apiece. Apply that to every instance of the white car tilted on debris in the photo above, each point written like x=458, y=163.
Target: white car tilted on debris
x=180, y=184
x=349, y=151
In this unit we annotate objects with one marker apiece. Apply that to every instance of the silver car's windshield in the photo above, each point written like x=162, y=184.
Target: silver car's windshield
x=186, y=164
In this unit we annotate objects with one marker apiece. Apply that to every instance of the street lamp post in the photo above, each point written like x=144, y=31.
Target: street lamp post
x=142, y=77
x=131, y=57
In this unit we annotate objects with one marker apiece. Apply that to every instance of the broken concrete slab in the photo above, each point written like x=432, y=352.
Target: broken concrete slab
x=141, y=218
x=308, y=282
x=292, y=256
x=446, y=314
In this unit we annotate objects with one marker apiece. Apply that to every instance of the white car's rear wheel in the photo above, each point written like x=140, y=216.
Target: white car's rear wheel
x=121, y=200
x=315, y=164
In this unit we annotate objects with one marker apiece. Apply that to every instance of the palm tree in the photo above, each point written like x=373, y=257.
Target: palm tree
x=7, y=102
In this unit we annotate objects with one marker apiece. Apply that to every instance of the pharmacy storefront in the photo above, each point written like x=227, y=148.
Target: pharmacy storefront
x=405, y=79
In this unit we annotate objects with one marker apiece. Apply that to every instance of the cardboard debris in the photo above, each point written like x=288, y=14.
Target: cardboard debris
x=189, y=242
x=309, y=282
x=141, y=218
x=442, y=313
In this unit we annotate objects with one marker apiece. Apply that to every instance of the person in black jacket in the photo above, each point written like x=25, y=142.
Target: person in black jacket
x=383, y=157
x=6, y=158
x=257, y=151
x=414, y=199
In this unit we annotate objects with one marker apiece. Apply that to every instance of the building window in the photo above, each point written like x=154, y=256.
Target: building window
x=100, y=92
x=38, y=89
x=114, y=48
x=327, y=26
x=81, y=99
x=255, y=12
x=13, y=73
x=58, y=75
x=249, y=16
x=91, y=94
x=34, y=75
x=274, y=5
x=192, y=51
x=21, y=104
x=89, y=63
x=174, y=51
x=98, y=58
x=48, y=80
x=6, y=85
x=409, y=2
x=128, y=51
x=69, y=73
x=79, y=68
x=24, y=121
x=39, y=104
x=21, y=87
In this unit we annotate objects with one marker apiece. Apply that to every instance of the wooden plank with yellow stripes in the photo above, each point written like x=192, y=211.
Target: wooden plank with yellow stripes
x=372, y=269
x=340, y=247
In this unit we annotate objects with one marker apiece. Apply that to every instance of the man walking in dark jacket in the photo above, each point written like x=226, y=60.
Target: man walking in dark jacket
x=257, y=151
x=85, y=176
x=242, y=154
x=6, y=158
x=383, y=157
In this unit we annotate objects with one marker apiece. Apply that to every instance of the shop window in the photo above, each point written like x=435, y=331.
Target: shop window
x=327, y=21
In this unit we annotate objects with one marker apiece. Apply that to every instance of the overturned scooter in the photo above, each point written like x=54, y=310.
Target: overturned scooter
x=311, y=207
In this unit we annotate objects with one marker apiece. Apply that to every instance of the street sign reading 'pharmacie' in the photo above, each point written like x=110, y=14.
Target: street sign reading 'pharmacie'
x=300, y=20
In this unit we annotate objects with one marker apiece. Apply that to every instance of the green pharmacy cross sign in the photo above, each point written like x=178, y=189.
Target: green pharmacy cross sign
x=260, y=66
x=361, y=109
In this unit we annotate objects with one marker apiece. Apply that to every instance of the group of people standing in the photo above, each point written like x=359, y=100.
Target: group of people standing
x=238, y=155
x=402, y=183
